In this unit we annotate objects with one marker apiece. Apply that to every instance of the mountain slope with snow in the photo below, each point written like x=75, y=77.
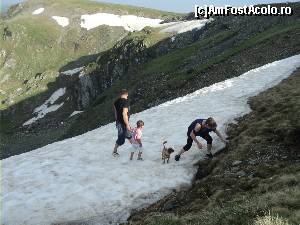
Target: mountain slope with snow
x=95, y=64
x=41, y=37
x=78, y=180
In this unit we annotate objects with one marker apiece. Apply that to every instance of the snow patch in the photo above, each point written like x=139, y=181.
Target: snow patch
x=129, y=22
x=75, y=113
x=73, y=71
x=78, y=180
x=38, y=11
x=62, y=21
x=181, y=27
x=47, y=107
x=136, y=23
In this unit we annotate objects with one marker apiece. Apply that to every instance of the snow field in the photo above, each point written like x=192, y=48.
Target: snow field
x=78, y=180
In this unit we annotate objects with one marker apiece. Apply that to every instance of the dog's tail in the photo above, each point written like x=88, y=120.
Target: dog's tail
x=165, y=142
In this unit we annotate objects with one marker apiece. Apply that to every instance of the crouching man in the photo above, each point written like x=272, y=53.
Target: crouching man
x=202, y=128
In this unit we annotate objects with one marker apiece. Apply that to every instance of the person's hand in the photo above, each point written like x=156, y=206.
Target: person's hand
x=141, y=145
x=199, y=145
x=128, y=127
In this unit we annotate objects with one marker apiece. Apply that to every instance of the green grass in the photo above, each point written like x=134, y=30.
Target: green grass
x=266, y=35
x=173, y=60
x=86, y=6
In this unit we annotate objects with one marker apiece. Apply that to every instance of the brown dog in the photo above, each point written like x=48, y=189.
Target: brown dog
x=166, y=152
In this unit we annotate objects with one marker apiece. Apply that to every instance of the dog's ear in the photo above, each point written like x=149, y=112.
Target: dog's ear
x=170, y=150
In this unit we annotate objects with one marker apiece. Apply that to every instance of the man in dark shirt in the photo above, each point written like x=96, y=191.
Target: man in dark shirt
x=121, y=110
x=202, y=128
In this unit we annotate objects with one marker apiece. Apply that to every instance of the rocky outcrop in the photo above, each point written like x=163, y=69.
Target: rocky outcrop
x=108, y=69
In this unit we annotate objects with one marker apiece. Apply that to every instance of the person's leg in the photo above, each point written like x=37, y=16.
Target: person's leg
x=121, y=137
x=185, y=148
x=115, y=151
x=140, y=155
x=209, y=140
x=209, y=147
x=131, y=155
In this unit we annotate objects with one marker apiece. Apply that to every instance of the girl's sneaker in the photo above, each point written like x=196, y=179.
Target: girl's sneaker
x=140, y=159
x=115, y=154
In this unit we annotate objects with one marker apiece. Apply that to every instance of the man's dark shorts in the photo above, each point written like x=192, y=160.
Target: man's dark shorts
x=123, y=133
x=189, y=141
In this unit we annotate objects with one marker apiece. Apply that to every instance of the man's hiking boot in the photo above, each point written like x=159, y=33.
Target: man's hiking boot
x=177, y=157
x=209, y=156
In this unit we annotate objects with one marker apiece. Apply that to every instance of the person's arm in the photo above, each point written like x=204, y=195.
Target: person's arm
x=125, y=117
x=220, y=136
x=139, y=141
x=193, y=136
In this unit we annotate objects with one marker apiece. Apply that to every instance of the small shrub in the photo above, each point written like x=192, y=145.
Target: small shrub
x=270, y=220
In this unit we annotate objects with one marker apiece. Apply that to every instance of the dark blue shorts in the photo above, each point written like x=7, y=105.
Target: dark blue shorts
x=189, y=140
x=123, y=133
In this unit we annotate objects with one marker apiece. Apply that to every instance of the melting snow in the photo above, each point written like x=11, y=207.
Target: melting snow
x=62, y=21
x=129, y=22
x=38, y=11
x=73, y=71
x=136, y=23
x=181, y=27
x=75, y=113
x=47, y=107
x=78, y=179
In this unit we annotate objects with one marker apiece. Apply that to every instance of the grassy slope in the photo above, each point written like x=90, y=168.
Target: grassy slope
x=40, y=45
x=88, y=6
x=263, y=188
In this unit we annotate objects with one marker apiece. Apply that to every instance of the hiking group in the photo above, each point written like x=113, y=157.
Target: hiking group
x=199, y=127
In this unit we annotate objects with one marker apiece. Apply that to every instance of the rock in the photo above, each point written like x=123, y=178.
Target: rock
x=10, y=63
x=6, y=33
x=172, y=204
x=235, y=169
x=241, y=173
x=236, y=163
